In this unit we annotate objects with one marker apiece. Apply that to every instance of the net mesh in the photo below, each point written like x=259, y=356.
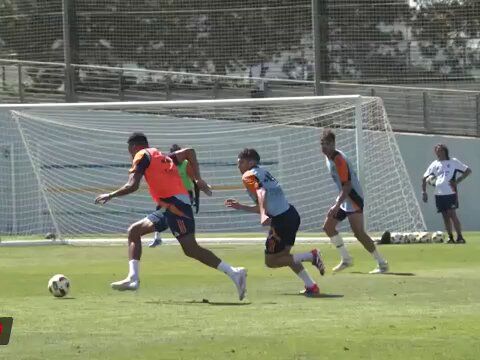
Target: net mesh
x=70, y=154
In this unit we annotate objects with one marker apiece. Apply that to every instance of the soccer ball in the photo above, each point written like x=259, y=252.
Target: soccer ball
x=437, y=237
x=431, y=180
x=424, y=237
x=59, y=285
x=409, y=238
x=397, y=238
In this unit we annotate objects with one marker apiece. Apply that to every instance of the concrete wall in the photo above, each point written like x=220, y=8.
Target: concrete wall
x=417, y=152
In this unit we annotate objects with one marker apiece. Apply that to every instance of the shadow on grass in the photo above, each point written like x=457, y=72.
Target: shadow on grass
x=387, y=273
x=65, y=298
x=197, y=302
x=319, y=296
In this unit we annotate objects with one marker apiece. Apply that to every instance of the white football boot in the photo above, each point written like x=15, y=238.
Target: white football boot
x=240, y=280
x=126, y=284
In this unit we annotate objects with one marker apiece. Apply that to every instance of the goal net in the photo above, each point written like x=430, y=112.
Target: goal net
x=55, y=159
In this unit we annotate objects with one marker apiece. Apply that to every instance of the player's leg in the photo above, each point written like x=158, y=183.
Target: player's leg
x=277, y=254
x=159, y=228
x=330, y=228
x=452, y=214
x=183, y=228
x=281, y=257
x=193, y=250
x=135, y=233
x=448, y=226
x=157, y=240
x=442, y=204
x=356, y=224
x=279, y=243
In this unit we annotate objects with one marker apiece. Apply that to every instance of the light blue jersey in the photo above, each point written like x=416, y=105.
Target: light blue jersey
x=342, y=171
x=257, y=178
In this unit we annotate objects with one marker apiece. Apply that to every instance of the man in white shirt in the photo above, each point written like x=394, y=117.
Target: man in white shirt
x=443, y=172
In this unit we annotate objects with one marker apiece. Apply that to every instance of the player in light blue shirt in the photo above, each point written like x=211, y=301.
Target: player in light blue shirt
x=275, y=210
x=348, y=204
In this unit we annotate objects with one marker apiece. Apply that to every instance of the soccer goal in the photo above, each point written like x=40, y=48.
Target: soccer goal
x=55, y=158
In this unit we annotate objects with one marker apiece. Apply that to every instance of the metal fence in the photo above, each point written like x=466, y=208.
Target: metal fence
x=410, y=109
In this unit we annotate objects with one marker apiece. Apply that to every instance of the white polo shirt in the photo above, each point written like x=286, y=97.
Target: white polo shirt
x=444, y=171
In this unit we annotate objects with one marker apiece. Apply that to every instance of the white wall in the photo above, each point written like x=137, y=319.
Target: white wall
x=417, y=152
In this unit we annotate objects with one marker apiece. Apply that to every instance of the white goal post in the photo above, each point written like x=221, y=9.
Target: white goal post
x=63, y=155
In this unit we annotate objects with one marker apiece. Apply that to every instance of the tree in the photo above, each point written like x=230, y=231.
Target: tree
x=448, y=33
x=190, y=35
x=367, y=39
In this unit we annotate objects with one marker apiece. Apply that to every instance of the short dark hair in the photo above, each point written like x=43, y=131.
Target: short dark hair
x=137, y=138
x=249, y=154
x=444, y=148
x=328, y=135
x=175, y=147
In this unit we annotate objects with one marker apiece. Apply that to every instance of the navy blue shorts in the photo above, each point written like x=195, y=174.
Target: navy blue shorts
x=283, y=231
x=177, y=216
x=342, y=214
x=446, y=202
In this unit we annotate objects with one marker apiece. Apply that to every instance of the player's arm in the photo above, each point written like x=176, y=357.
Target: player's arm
x=345, y=179
x=251, y=183
x=190, y=155
x=141, y=161
x=462, y=177
x=234, y=204
x=262, y=206
x=426, y=174
x=346, y=188
x=130, y=186
x=464, y=169
x=424, y=189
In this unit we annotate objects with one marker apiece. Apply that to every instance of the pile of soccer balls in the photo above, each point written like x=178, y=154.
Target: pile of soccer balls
x=417, y=238
x=59, y=285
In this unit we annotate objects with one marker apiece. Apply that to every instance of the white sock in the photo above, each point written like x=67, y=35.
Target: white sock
x=227, y=269
x=298, y=258
x=378, y=257
x=157, y=236
x=338, y=242
x=305, y=276
x=133, y=269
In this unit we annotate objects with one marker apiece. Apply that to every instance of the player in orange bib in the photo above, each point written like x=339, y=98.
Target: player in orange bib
x=173, y=209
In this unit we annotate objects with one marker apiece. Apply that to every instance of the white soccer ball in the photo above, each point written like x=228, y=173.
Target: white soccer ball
x=424, y=237
x=438, y=237
x=410, y=238
x=431, y=180
x=59, y=285
x=396, y=238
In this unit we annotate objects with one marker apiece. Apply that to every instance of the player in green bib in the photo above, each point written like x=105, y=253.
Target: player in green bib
x=189, y=185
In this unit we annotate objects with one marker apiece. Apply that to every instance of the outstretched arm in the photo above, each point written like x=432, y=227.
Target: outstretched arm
x=234, y=204
x=131, y=186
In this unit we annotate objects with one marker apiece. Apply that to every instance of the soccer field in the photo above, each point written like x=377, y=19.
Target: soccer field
x=427, y=308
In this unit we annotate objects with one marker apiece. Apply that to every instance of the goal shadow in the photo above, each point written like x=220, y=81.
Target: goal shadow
x=387, y=273
x=319, y=296
x=198, y=302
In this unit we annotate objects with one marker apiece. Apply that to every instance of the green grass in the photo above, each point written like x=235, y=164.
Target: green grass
x=433, y=314
x=168, y=235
